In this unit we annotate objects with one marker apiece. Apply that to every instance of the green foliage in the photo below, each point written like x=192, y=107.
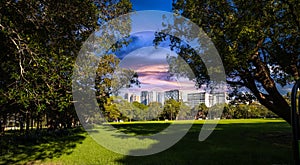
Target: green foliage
x=39, y=43
x=171, y=109
x=184, y=112
x=245, y=111
x=139, y=105
x=116, y=108
x=257, y=42
x=201, y=111
x=111, y=110
x=155, y=110
x=141, y=111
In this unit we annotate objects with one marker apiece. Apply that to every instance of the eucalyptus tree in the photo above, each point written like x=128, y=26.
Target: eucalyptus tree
x=258, y=42
x=39, y=44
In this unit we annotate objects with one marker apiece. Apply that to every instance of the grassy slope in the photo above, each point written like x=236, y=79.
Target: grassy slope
x=233, y=142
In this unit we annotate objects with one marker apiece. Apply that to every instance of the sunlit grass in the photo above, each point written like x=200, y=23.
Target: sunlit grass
x=222, y=121
x=247, y=141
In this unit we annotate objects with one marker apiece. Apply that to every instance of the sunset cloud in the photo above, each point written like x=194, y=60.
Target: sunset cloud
x=151, y=65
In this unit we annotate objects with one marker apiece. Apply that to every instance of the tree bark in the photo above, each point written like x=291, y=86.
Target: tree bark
x=27, y=122
x=274, y=101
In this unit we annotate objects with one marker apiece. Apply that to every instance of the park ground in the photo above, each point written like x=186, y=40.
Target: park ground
x=242, y=141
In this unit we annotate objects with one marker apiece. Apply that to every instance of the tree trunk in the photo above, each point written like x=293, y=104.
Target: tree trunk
x=38, y=120
x=21, y=120
x=27, y=122
x=274, y=101
x=31, y=121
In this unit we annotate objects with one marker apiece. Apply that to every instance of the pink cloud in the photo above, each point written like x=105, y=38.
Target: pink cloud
x=151, y=65
x=155, y=76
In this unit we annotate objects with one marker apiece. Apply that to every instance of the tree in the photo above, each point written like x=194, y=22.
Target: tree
x=242, y=97
x=123, y=78
x=171, y=109
x=257, y=42
x=201, y=111
x=140, y=110
x=40, y=41
x=155, y=110
x=112, y=110
x=228, y=111
x=185, y=112
x=128, y=110
x=241, y=111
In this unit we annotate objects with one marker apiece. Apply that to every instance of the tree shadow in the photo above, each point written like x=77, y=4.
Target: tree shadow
x=141, y=129
x=238, y=143
x=37, y=146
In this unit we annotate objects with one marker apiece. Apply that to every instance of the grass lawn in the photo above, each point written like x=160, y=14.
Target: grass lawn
x=250, y=141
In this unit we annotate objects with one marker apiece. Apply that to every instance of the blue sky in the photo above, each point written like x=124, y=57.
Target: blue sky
x=153, y=59
x=149, y=62
x=165, y=5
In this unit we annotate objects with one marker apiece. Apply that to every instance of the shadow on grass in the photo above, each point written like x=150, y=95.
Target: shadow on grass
x=33, y=147
x=238, y=143
x=142, y=129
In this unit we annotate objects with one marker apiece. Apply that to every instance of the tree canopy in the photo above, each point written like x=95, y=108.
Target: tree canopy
x=257, y=41
x=39, y=44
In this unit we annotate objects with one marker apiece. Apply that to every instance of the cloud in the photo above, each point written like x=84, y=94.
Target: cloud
x=151, y=64
x=153, y=74
x=146, y=56
x=137, y=41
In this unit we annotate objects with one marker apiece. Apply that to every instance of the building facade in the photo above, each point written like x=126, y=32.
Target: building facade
x=192, y=99
x=172, y=94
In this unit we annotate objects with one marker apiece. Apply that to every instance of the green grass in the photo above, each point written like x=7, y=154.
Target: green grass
x=255, y=141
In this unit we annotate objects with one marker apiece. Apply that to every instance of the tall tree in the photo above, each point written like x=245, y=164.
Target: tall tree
x=39, y=43
x=171, y=109
x=257, y=41
x=155, y=110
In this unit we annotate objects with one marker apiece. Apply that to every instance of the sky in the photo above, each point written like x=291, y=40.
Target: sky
x=150, y=63
x=164, y=5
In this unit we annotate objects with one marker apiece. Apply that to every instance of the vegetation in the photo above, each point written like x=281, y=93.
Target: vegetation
x=251, y=141
x=257, y=42
x=39, y=42
x=116, y=109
